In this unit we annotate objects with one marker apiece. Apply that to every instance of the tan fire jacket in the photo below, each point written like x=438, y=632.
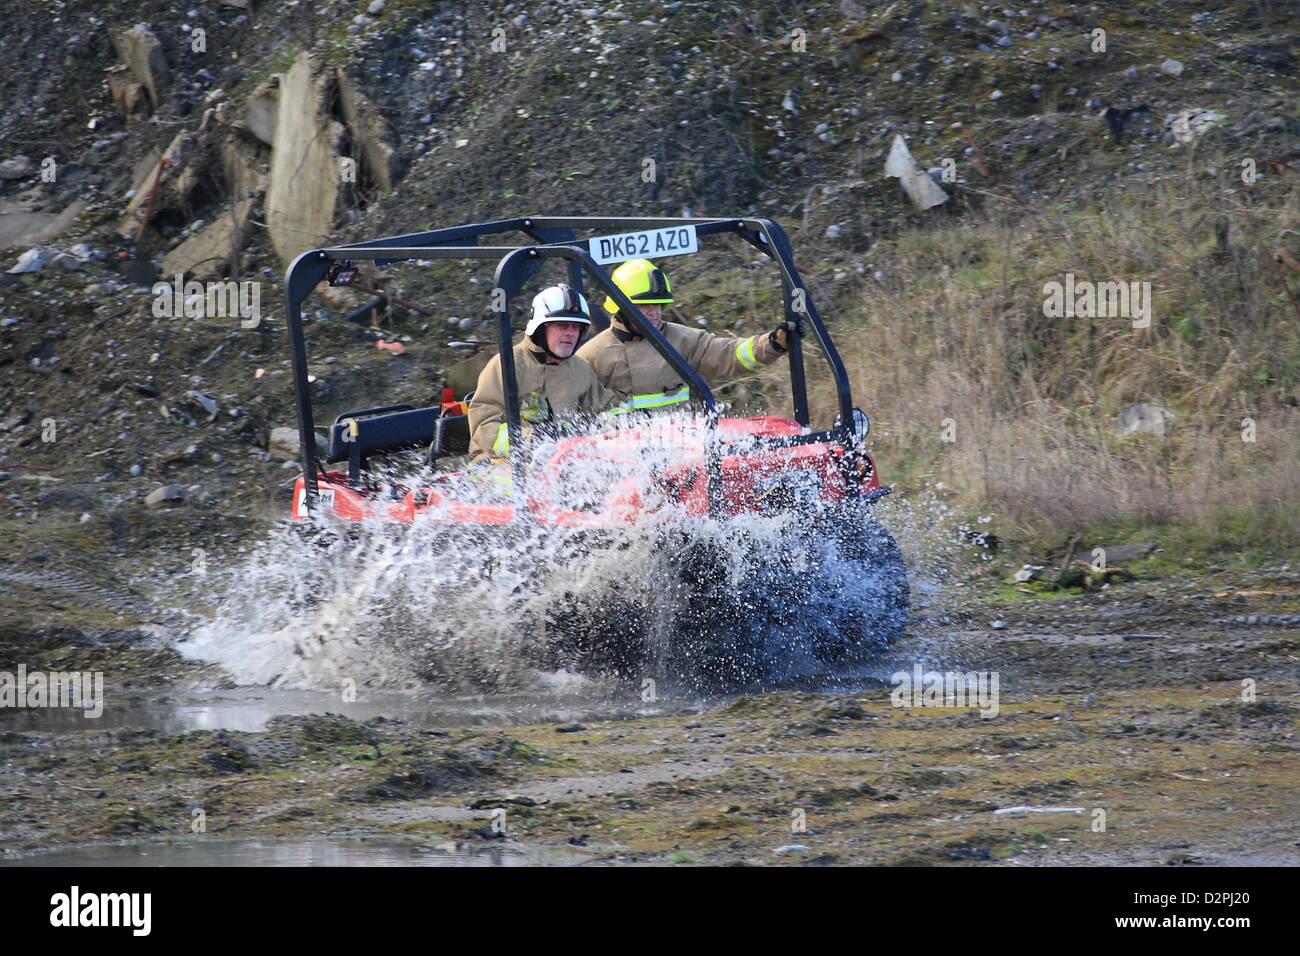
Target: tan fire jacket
x=546, y=392
x=629, y=364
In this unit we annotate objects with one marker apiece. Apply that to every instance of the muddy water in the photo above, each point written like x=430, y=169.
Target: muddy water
x=250, y=708
x=294, y=853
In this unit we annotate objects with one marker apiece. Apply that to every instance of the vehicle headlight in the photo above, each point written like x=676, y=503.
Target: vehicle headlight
x=861, y=425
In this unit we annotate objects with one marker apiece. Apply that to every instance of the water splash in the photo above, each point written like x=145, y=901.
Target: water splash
x=664, y=605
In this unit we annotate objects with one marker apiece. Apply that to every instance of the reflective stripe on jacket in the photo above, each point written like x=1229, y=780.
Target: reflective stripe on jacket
x=545, y=392
x=629, y=364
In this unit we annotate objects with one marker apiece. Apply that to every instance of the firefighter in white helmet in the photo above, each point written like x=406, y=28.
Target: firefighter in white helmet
x=553, y=383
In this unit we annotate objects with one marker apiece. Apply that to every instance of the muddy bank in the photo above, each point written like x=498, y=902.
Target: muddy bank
x=1124, y=707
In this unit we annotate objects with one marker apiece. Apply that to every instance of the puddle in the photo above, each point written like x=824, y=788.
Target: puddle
x=296, y=853
x=248, y=709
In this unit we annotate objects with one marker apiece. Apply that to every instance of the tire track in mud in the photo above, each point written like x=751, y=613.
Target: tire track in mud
x=94, y=592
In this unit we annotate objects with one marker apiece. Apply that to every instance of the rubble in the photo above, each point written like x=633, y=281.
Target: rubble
x=165, y=496
x=142, y=55
x=304, y=185
x=1145, y=419
x=1189, y=125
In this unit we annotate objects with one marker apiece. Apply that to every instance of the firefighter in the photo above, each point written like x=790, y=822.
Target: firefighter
x=553, y=383
x=630, y=365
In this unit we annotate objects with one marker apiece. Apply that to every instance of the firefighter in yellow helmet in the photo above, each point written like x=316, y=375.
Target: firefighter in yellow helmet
x=553, y=383
x=629, y=364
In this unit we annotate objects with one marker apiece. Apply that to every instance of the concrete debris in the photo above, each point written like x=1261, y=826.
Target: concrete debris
x=262, y=112
x=142, y=54
x=165, y=496
x=1190, y=125
x=1145, y=419
x=304, y=187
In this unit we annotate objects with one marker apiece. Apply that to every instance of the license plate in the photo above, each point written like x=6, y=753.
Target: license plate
x=324, y=499
x=652, y=243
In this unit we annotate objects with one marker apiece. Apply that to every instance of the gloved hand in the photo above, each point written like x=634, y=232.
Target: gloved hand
x=781, y=336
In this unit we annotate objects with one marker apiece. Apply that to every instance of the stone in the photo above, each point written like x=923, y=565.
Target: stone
x=1145, y=419
x=1172, y=67
x=283, y=444
x=140, y=50
x=20, y=167
x=1121, y=553
x=33, y=260
x=169, y=190
x=262, y=112
x=1188, y=125
x=208, y=252
x=303, y=191
x=165, y=496
x=19, y=229
x=129, y=95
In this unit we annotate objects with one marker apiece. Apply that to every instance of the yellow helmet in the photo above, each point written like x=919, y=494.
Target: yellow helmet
x=641, y=281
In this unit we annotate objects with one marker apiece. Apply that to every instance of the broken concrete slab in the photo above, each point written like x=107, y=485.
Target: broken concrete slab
x=369, y=130
x=19, y=229
x=304, y=185
x=165, y=496
x=262, y=113
x=209, y=251
x=243, y=163
x=130, y=98
x=1123, y=553
x=174, y=156
x=142, y=54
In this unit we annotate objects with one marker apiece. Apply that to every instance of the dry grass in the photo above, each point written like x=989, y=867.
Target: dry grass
x=952, y=331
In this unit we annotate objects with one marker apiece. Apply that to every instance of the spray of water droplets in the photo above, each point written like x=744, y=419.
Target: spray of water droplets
x=670, y=601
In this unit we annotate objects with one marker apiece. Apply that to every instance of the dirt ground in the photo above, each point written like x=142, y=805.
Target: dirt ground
x=1125, y=717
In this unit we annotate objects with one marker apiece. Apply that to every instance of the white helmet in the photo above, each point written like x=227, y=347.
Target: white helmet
x=559, y=303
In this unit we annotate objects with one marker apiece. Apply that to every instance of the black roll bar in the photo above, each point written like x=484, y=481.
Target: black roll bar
x=556, y=238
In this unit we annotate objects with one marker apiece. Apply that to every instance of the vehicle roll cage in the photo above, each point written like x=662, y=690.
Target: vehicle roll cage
x=554, y=237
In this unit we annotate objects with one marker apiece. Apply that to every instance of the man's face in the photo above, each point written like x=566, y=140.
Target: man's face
x=653, y=312
x=562, y=337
